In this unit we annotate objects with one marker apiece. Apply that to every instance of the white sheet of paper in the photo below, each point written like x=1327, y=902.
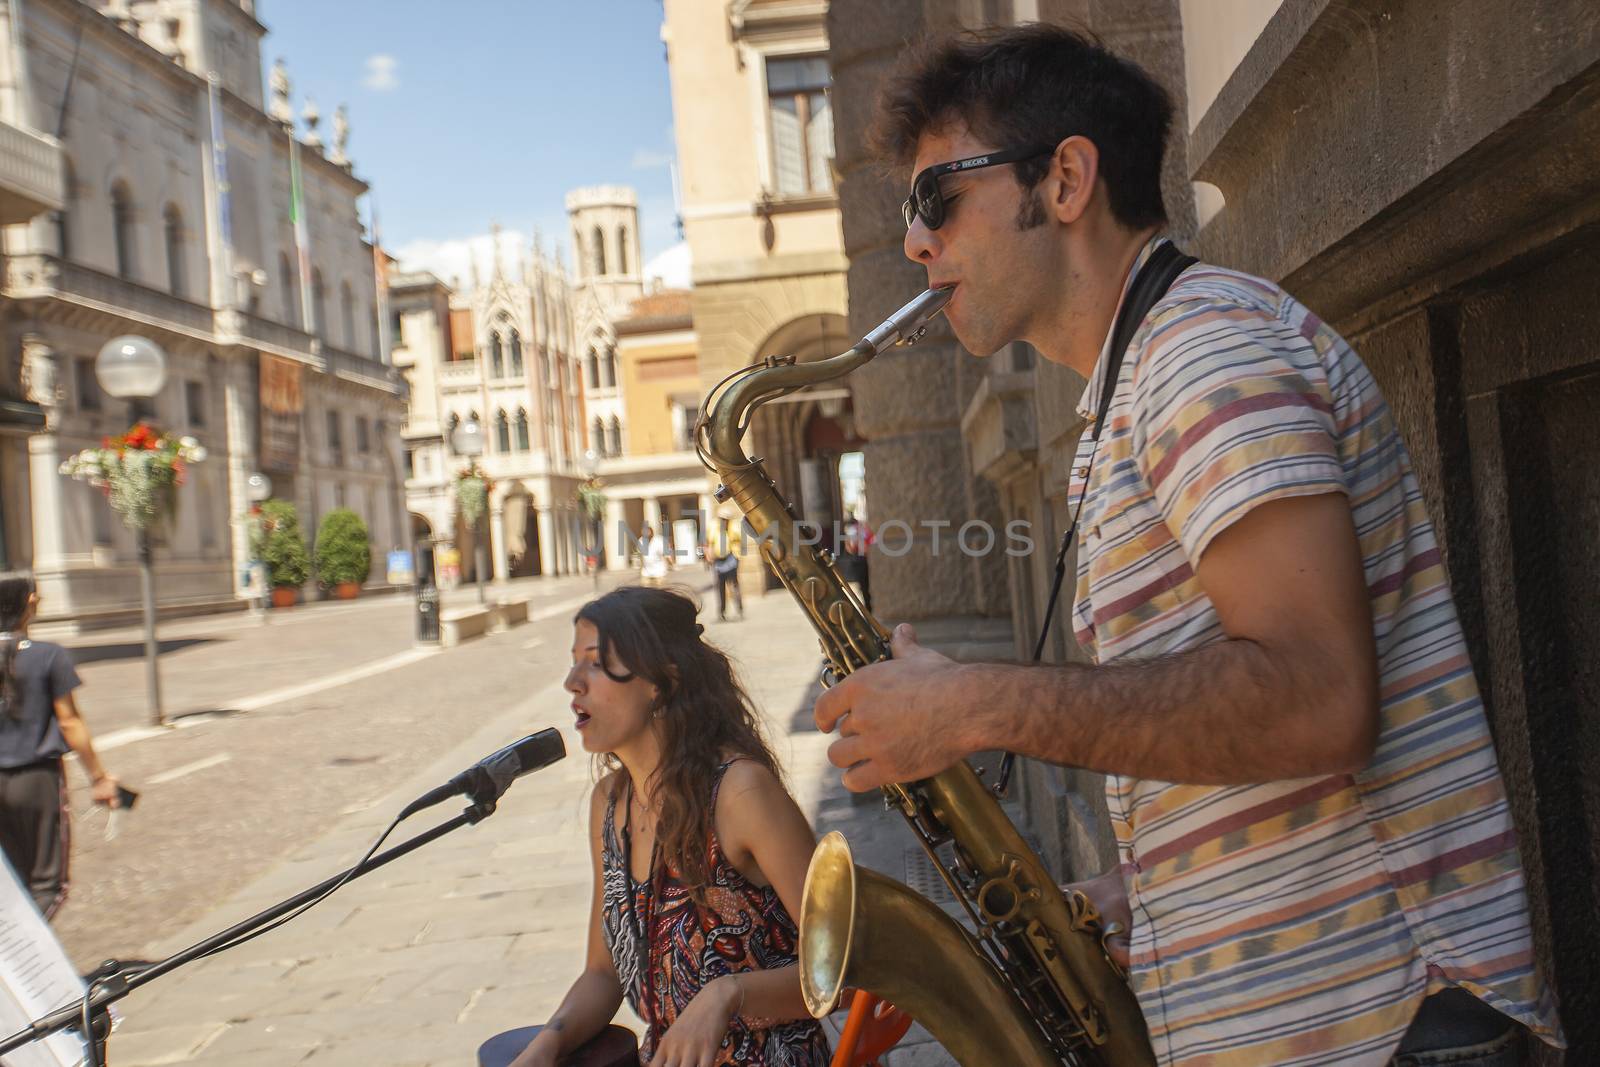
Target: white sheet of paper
x=35, y=978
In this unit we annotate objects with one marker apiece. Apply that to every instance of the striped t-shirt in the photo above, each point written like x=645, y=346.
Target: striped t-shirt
x=1293, y=922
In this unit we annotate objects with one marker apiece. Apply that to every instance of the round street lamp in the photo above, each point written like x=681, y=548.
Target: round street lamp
x=131, y=367
x=257, y=487
x=467, y=440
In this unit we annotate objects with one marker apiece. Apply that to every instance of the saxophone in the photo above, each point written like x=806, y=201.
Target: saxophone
x=1034, y=985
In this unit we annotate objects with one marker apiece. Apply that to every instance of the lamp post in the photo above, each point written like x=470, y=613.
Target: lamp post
x=467, y=440
x=135, y=368
x=590, y=466
x=257, y=487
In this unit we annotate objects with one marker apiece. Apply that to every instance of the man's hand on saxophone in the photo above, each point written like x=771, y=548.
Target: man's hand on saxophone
x=892, y=717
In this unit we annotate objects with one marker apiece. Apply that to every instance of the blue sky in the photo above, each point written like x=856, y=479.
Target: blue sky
x=486, y=110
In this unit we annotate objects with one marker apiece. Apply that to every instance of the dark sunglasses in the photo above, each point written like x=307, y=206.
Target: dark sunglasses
x=926, y=201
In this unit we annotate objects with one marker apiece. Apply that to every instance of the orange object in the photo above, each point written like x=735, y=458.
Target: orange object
x=873, y=1028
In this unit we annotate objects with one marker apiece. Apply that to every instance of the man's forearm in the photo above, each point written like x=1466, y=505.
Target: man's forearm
x=1229, y=713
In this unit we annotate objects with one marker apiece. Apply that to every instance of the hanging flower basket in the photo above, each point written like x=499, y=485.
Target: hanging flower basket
x=591, y=498
x=472, y=494
x=139, y=472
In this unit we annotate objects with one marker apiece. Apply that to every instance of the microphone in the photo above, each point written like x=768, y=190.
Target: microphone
x=487, y=780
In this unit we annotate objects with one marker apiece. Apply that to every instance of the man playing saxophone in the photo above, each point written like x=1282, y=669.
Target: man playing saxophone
x=1318, y=860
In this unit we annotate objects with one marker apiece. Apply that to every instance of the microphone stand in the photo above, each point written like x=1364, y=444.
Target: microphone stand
x=111, y=985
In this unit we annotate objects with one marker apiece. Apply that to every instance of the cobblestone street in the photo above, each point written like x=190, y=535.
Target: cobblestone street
x=421, y=961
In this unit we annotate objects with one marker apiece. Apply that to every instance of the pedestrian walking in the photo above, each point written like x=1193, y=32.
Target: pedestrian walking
x=654, y=570
x=725, y=569
x=700, y=853
x=39, y=723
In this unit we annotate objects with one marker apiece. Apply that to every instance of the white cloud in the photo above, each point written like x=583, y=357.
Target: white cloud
x=649, y=159
x=450, y=260
x=382, y=73
x=671, y=266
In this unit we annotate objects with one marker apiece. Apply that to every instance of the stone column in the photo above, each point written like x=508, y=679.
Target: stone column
x=617, y=540
x=41, y=382
x=708, y=515
x=501, y=567
x=547, y=544
x=908, y=402
x=652, y=513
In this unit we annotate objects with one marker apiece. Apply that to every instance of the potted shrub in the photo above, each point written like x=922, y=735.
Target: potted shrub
x=344, y=556
x=282, y=548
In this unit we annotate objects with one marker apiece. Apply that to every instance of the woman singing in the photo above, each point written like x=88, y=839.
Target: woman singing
x=699, y=852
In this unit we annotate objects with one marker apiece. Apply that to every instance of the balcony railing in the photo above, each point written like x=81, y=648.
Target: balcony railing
x=362, y=369
x=31, y=180
x=458, y=372
x=268, y=333
x=39, y=275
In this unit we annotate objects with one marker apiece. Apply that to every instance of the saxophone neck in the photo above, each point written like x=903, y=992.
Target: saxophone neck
x=722, y=425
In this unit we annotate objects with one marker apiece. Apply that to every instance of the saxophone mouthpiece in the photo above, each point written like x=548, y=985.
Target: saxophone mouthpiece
x=907, y=325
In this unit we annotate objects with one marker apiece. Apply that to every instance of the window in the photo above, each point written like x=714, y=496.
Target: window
x=593, y=365
x=335, y=439
x=88, y=385
x=122, y=229
x=802, y=124
x=616, y=436
x=622, y=250
x=495, y=368
x=291, y=292
x=597, y=437
x=597, y=248
x=609, y=366
x=319, y=318
x=450, y=430
x=363, y=441
x=502, y=432
x=172, y=226
x=347, y=315
x=515, y=343
x=410, y=460
x=523, y=442
x=684, y=414
x=194, y=402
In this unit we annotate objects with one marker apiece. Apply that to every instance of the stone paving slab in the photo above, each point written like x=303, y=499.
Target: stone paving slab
x=483, y=930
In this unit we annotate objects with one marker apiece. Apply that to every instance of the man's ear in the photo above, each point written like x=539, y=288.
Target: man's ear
x=1074, y=169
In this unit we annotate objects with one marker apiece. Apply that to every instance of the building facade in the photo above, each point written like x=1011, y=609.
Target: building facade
x=571, y=378
x=176, y=223
x=500, y=354
x=1407, y=171
x=657, y=480
x=753, y=117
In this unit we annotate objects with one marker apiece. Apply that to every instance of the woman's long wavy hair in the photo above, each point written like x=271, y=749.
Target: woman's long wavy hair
x=705, y=716
x=15, y=589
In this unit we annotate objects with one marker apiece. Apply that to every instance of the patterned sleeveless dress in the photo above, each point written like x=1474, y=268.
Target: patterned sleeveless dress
x=666, y=947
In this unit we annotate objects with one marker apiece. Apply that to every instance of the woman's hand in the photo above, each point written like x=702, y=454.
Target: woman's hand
x=693, y=1039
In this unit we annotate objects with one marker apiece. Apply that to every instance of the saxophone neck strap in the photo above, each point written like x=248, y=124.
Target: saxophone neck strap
x=1149, y=286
